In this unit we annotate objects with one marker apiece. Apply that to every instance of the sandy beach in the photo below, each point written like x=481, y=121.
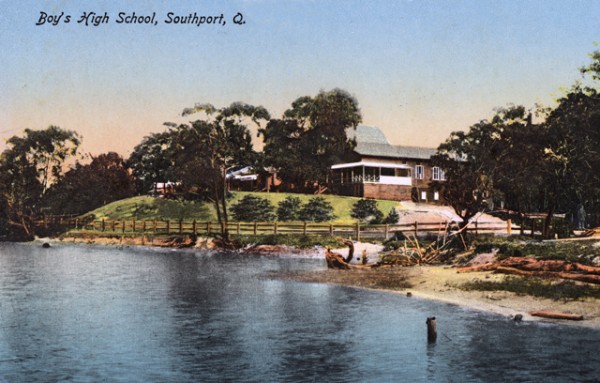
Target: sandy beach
x=442, y=283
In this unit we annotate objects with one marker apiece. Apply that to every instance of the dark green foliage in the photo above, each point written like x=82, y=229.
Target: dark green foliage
x=392, y=217
x=86, y=187
x=153, y=160
x=28, y=167
x=310, y=137
x=289, y=209
x=366, y=210
x=566, y=290
x=199, y=154
x=317, y=209
x=253, y=209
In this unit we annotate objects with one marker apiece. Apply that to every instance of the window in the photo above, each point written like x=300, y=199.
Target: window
x=419, y=172
x=436, y=195
x=371, y=174
x=402, y=172
x=438, y=174
x=387, y=172
x=423, y=196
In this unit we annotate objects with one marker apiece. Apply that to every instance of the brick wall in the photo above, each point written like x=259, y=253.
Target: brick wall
x=391, y=192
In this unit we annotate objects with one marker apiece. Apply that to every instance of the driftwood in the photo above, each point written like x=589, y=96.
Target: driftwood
x=336, y=260
x=555, y=315
x=531, y=267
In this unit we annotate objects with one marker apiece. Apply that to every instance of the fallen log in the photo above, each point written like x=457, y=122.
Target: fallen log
x=543, y=268
x=589, y=278
x=555, y=315
x=516, y=271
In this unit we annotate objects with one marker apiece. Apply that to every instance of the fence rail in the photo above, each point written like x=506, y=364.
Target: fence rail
x=169, y=227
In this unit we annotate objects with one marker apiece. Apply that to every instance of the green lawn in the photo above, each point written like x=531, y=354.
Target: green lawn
x=148, y=208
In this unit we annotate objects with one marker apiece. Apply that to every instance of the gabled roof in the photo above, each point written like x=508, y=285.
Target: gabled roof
x=370, y=141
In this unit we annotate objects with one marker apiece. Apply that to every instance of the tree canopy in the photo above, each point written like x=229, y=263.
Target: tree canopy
x=87, y=187
x=310, y=137
x=550, y=166
x=28, y=167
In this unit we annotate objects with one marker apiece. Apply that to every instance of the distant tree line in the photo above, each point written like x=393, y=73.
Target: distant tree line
x=44, y=172
x=548, y=165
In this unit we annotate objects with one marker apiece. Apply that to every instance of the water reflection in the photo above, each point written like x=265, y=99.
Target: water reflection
x=138, y=315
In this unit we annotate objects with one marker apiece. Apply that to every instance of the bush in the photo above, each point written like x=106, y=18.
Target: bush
x=316, y=210
x=392, y=217
x=289, y=209
x=253, y=209
x=366, y=210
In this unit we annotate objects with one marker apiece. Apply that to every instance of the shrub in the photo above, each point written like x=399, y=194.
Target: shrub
x=289, y=209
x=366, y=210
x=316, y=210
x=252, y=209
x=392, y=217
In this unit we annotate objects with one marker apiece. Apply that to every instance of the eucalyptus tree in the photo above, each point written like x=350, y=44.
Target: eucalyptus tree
x=152, y=160
x=207, y=148
x=28, y=167
x=311, y=136
x=88, y=186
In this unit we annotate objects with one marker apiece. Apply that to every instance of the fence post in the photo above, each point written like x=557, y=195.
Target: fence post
x=358, y=231
x=255, y=228
x=112, y=225
x=331, y=229
x=275, y=228
x=168, y=226
x=387, y=231
x=133, y=226
x=532, y=227
x=180, y=226
x=76, y=223
x=416, y=228
x=194, y=228
x=154, y=227
x=237, y=226
x=304, y=229
x=208, y=228
x=476, y=227
x=123, y=225
x=103, y=225
x=143, y=227
x=508, y=226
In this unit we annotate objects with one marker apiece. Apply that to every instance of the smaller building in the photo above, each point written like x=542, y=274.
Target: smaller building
x=165, y=189
x=380, y=170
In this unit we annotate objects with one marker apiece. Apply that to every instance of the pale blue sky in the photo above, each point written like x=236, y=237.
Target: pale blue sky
x=419, y=69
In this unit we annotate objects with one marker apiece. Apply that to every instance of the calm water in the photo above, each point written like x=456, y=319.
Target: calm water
x=83, y=314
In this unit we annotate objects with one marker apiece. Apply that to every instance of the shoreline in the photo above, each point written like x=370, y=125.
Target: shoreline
x=438, y=283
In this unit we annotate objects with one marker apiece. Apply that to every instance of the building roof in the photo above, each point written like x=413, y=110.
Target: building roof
x=370, y=134
x=370, y=141
x=370, y=164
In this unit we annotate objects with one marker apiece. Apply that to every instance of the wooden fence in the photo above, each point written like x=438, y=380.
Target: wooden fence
x=181, y=227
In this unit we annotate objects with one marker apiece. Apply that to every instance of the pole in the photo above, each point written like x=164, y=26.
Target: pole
x=431, y=330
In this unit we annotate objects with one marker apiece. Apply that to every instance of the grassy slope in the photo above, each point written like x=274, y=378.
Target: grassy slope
x=159, y=208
